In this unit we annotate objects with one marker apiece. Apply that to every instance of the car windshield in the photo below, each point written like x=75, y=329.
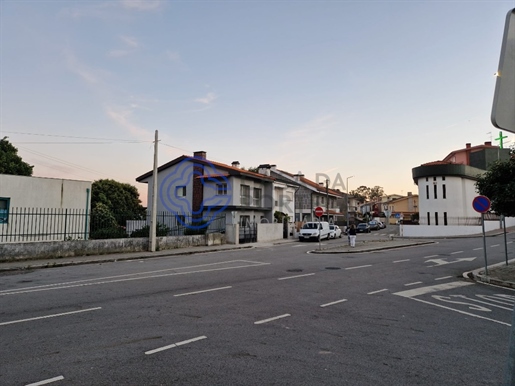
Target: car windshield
x=362, y=225
x=331, y=227
x=310, y=226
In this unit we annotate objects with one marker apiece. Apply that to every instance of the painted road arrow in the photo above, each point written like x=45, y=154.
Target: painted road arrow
x=443, y=261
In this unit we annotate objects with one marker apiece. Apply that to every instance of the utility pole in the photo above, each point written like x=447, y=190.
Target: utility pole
x=347, y=199
x=153, y=225
x=327, y=197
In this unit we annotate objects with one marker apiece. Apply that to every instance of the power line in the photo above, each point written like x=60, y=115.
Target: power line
x=76, y=137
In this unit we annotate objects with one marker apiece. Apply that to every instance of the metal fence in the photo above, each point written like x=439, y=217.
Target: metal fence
x=56, y=224
x=461, y=221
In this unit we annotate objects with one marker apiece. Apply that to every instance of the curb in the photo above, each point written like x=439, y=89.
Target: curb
x=479, y=276
x=372, y=249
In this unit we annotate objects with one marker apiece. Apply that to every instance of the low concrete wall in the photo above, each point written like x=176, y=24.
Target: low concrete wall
x=57, y=249
x=451, y=230
x=269, y=231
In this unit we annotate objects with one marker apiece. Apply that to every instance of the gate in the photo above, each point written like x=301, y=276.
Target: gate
x=248, y=233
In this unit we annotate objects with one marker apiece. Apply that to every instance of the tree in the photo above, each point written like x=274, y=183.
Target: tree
x=498, y=184
x=362, y=193
x=119, y=198
x=376, y=193
x=11, y=162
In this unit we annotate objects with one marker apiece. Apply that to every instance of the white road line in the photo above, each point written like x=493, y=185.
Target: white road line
x=50, y=316
x=415, y=283
x=122, y=278
x=433, y=288
x=359, y=266
x=270, y=319
x=455, y=253
x=175, y=345
x=46, y=381
x=427, y=257
x=376, y=292
x=400, y=261
x=509, y=242
x=294, y=277
x=493, y=246
x=301, y=245
x=477, y=249
x=200, y=292
x=336, y=302
x=443, y=278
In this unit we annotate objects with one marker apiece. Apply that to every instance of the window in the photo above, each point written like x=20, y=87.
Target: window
x=257, y=197
x=436, y=218
x=427, y=192
x=428, y=218
x=435, y=191
x=444, y=218
x=443, y=178
x=444, y=191
x=434, y=178
x=4, y=210
x=427, y=178
x=244, y=220
x=221, y=189
x=245, y=195
x=180, y=191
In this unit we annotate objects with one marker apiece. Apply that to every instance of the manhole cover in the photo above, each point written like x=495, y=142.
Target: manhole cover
x=332, y=268
x=294, y=270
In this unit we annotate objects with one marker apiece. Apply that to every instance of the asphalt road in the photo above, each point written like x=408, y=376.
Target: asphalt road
x=265, y=316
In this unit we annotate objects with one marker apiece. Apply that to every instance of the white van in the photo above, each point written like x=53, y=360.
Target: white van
x=314, y=231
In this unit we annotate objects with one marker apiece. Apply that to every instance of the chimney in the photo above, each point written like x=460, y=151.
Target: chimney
x=467, y=145
x=273, y=167
x=488, y=143
x=264, y=169
x=199, y=154
x=298, y=176
x=235, y=164
x=410, y=194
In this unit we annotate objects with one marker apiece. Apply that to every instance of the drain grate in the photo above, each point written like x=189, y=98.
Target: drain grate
x=332, y=268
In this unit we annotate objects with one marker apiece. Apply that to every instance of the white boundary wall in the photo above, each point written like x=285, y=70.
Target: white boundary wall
x=451, y=230
x=269, y=232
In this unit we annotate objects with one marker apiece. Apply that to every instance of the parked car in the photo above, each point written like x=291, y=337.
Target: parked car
x=382, y=225
x=363, y=228
x=374, y=225
x=336, y=231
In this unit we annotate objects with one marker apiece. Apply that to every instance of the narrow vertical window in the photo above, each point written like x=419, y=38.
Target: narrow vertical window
x=4, y=210
x=444, y=191
x=427, y=192
x=428, y=218
x=444, y=218
x=436, y=218
x=435, y=188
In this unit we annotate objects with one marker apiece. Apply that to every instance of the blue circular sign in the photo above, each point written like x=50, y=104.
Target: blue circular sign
x=481, y=204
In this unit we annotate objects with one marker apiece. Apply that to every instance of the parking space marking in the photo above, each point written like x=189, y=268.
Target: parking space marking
x=294, y=277
x=175, y=345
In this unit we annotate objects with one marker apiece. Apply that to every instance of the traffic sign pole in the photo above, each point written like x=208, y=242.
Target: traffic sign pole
x=484, y=241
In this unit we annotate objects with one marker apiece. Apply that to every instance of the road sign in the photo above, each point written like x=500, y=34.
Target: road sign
x=481, y=204
x=503, y=111
x=319, y=211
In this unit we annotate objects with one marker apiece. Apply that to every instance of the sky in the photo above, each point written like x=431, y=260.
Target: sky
x=361, y=91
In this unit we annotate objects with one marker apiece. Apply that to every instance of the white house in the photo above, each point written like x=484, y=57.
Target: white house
x=446, y=191
x=37, y=208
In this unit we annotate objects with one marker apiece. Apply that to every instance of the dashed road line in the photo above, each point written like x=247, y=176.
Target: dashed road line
x=443, y=278
x=400, y=261
x=477, y=249
x=457, y=252
x=175, y=345
x=46, y=381
x=376, y=292
x=332, y=303
x=200, y=292
x=415, y=283
x=49, y=316
x=359, y=266
x=493, y=246
x=427, y=257
x=272, y=319
x=296, y=276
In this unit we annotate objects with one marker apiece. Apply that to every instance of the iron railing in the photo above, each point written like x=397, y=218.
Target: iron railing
x=56, y=224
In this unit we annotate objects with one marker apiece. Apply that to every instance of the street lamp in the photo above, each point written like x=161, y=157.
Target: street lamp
x=347, y=185
x=327, y=197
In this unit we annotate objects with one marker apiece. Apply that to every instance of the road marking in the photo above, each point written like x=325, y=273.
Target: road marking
x=175, y=345
x=134, y=276
x=509, y=242
x=200, y=292
x=271, y=319
x=444, y=262
x=47, y=381
x=455, y=253
x=493, y=246
x=336, y=302
x=417, y=282
x=376, y=292
x=427, y=257
x=302, y=245
x=359, y=266
x=477, y=249
x=294, y=277
x=433, y=288
x=443, y=278
x=49, y=316
x=400, y=261
x=479, y=301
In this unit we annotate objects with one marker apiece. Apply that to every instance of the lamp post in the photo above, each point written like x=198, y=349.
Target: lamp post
x=327, y=197
x=347, y=200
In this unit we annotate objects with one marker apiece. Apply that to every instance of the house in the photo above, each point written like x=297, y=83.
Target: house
x=37, y=208
x=402, y=208
x=447, y=188
x=196, y=189
x=308, y=195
